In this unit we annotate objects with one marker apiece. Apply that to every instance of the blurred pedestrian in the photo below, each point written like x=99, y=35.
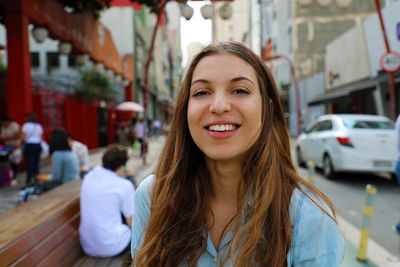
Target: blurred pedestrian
x=10, y=135
x=225, y=191
x=82, y=152
x=140, y=133
x=32, y=133
x=397, y=168
x=107, y=206
x=65, y=163
x=157, y=127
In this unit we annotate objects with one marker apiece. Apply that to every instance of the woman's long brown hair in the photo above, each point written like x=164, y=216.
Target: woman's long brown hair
x=176, y=230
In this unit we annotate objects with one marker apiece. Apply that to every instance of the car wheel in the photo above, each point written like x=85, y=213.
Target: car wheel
x=300, y=161
x=327, y=167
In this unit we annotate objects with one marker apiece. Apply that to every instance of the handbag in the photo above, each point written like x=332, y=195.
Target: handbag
x=45, y=150
x=16, y=155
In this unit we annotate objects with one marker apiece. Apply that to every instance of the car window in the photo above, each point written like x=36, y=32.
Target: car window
x=326, y=125
x=365, y=124
x=317, y=127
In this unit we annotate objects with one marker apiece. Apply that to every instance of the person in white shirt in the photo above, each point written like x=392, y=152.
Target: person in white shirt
x=105, y=196
x=32, y=136
x=82, y=152
x=10, y=135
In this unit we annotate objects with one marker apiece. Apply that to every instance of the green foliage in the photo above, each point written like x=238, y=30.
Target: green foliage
x=285, y=85
x=154, y=5
x=3, y=67
x=95, y=86
x=94, y=6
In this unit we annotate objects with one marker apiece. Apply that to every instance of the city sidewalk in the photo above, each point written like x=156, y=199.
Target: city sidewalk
x=9, y=195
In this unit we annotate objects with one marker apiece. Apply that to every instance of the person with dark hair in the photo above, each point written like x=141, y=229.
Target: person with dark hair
x=65, y=164
x=32, y=136
x=82, y=152
x=10, y=135
x=225, y=191
x=107, y=206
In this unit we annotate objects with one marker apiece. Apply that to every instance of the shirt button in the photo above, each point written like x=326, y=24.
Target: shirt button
x=216, y=259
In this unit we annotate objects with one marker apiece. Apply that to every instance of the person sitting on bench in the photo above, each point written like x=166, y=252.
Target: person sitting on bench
x=105, y=195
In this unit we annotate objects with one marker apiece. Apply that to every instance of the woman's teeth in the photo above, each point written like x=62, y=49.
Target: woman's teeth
x=222, y=128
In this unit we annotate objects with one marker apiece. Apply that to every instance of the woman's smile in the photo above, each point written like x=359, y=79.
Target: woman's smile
x=224, y=110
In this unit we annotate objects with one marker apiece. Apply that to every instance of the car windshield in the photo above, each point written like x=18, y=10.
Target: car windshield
x=364, y=124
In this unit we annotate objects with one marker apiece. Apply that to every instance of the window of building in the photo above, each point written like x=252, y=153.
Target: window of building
x=35, y=60
x=53, y=60
x=72, y=60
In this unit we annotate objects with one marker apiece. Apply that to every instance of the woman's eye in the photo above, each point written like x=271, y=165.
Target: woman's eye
x=200, y=93
x=241, y=91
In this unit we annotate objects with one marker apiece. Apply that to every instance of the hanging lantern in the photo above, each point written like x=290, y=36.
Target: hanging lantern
x=81, y=59
x=110, y=74
x=64, y=48
x=225, y=11
x=304, y=2
x=40, y=34
x=343, y=3
x=324, y=3
x=126, y=82
x=207, y=11
x=118, y=79
x=187, y=12
x=99, y=67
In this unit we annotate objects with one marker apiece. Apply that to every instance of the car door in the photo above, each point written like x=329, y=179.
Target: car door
x=320, y=141
x=310, y=142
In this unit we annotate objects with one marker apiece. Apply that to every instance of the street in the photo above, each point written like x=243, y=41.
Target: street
x=347, y=192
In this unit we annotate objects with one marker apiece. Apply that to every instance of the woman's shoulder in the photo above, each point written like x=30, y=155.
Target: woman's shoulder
x=316, y=239
x=304, y=201
x=146, y=186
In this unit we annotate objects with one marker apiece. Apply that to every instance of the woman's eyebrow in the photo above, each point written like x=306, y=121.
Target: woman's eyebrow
x=242, y=78
x=200, y=81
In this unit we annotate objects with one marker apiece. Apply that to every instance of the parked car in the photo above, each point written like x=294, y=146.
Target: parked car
x=349, y=143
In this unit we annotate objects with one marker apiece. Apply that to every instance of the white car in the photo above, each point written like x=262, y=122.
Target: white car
x=349, y=143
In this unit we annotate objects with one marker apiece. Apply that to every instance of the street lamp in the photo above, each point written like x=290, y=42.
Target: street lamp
x=158, y=8
x=296, y=86
x=64, y=48
x=40, y=34
x=187, y=12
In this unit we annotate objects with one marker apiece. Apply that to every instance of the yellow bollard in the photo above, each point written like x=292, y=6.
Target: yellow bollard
x=311, y=171
x=365, y=231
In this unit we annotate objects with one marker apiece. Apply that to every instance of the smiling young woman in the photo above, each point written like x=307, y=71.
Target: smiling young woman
x=225, y=191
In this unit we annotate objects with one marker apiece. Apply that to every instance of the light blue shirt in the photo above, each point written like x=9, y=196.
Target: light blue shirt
x=316, y=240
x=65, y=166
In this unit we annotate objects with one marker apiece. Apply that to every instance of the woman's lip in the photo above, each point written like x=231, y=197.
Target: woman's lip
x=221, y=135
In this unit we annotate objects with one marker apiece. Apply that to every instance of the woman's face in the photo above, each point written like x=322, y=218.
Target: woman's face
x=225, y=106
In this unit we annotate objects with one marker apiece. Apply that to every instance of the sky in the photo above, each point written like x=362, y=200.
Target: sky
x=197, y=29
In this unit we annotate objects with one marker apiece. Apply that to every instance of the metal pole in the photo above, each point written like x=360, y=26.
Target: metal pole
x=146, y=72
x=311, y=171
x=365, y=231
x=391, y=74
x=296, y=87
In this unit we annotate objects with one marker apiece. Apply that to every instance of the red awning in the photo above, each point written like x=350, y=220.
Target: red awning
x=127, y=63
x=126, y=3
x=82, y=30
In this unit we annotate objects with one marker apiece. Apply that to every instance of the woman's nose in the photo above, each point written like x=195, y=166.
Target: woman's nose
x=220, y=104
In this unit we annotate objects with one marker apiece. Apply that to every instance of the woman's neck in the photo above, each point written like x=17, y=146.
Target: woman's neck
x=225, y=178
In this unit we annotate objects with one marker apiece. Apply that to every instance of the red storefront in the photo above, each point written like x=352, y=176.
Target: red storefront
x=57, y=109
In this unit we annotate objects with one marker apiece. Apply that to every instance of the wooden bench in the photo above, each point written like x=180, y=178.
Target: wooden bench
x=43, y=231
